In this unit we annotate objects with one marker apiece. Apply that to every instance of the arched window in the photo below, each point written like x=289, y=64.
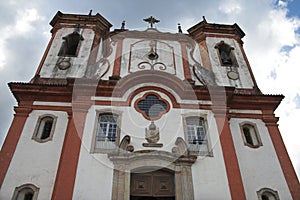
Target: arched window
x=70, y=44
x=45, y=128
x=107, y=132
x=250, y=135
x=26, y=192
x=267, y=194
x=196, y=135
x=226, y=54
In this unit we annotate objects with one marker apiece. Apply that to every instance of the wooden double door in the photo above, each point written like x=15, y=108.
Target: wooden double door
x=152, y=185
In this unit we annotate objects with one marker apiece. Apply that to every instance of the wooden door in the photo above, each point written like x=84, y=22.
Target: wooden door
x=156, y=185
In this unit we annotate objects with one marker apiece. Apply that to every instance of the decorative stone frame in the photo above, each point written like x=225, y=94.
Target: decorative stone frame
x=253, y=125
x=267, y=191
x=204, y=117
x=27, y=186
x=179, y=162
x=37, y=127
x=159, y=98
x=119, y=119
x=231, y=55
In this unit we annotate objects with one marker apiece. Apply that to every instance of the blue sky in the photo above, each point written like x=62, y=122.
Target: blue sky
x=272, y=42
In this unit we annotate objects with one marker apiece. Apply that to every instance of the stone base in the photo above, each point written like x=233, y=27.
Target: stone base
x=152, y=144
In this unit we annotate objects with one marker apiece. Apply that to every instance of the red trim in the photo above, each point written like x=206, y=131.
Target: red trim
x=186, y=65
x=45, y=55
x=66, y=173
x=283, y=157
x=248, y=64
x=117, y=64
x=94, y=49
x=204, y=55
x=11, y=141
x=230, y=159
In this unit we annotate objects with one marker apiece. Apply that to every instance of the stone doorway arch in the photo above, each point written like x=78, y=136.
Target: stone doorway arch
x=179, y=161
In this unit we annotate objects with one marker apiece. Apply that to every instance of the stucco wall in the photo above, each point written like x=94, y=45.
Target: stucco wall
x=135, y=51
x=259, y=167
x=35, y=162
x=209, y=174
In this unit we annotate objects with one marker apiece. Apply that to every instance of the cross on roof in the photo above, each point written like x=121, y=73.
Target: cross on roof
x=151, y=20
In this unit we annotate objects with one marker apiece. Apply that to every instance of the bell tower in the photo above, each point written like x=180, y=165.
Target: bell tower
x=221, y=50
x=74, y=45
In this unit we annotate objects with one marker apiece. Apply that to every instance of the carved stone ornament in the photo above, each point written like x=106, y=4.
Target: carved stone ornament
x=152, y=136
x=63, y=63
x=233, y=75
x=205, y=76
x=124, y=145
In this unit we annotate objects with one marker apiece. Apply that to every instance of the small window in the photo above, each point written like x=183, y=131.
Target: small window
x=70, y=45
x=226, y=54
x=196, y=135
x=250, y=135
x=267, y=194
x=25, y=192
x=107, y=132
x=45, y=128
x=152, y=106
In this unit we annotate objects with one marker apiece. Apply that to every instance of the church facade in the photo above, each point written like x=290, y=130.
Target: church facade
x=129, y=114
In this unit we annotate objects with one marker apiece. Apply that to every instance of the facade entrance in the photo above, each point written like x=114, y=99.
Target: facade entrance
x=152, y=185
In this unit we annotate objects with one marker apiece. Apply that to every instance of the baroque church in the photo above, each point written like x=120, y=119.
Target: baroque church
x=130, y=115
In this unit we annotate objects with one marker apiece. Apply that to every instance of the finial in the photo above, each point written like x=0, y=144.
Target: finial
x=204, y=19
x=90, y=13
x=152, y=126
x=151, y=20
x=77, y=28
x=179, y=28
x=123, y=25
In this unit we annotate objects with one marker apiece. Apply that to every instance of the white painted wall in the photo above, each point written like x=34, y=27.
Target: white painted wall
x=259, y=167
x=78, y=64
x=209, y=172
x=105, y=69
x=95, y=170
x=169, y=53
x=35, y=162
x=245, y=80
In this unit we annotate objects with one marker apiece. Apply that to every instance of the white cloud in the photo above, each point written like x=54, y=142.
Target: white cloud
x=282, y=3
x=230, y=7
x=23, y=25
x=25, y=21
x=277, y=70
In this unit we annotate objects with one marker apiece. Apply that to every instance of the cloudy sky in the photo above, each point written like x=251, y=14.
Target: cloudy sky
x=272, y=42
